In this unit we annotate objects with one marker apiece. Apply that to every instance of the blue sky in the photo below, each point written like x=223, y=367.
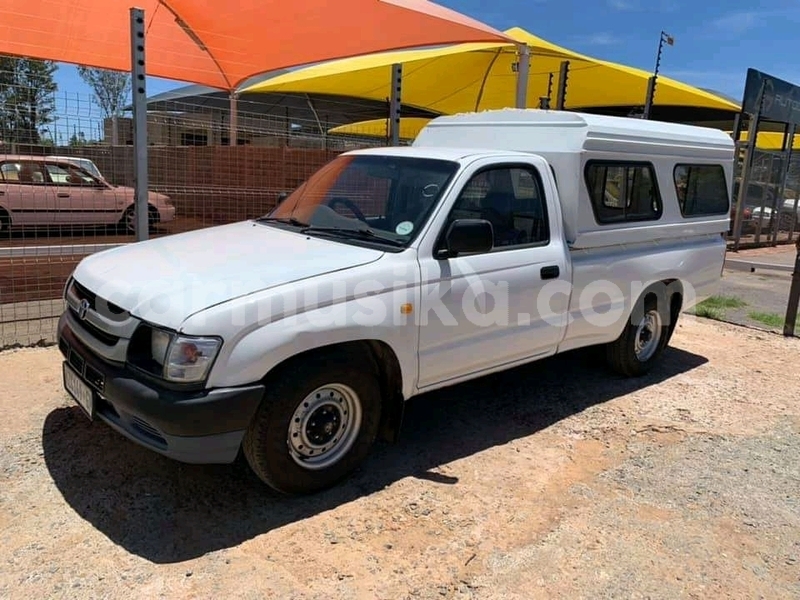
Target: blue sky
x=715, y=40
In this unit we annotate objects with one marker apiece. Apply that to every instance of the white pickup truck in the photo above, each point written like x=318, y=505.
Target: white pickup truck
x=496, y=239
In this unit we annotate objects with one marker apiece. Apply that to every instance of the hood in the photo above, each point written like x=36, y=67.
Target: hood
x=166, y=280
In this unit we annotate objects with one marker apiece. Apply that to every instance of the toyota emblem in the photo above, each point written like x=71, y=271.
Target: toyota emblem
x=83, y=308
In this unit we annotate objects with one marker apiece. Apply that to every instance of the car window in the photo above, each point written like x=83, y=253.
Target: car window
x=623, y=192
x=701, y=190
x=25, y=172
x=391, y=195
x=512, y=200
x=64, y=174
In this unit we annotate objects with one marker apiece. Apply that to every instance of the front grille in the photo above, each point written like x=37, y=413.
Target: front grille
x=83, y=293
x=106, y=338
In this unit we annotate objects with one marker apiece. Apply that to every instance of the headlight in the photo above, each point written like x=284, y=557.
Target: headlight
x=66, y=288
x=183, y=359
x=189, y=358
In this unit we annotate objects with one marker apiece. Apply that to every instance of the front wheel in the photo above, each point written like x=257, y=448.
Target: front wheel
x=317, y=423
x=641, y=343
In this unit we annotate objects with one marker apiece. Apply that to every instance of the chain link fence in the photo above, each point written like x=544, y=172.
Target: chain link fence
x=66, y=176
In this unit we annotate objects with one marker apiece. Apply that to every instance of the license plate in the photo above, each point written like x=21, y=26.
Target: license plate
x=81, y=392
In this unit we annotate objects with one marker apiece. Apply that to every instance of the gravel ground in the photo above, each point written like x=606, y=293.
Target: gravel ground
x=555, y=480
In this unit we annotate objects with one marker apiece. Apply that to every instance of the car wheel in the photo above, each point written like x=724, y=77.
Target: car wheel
x=317, y=423
x=128, y=221
x=5, y=223
x=645, y=336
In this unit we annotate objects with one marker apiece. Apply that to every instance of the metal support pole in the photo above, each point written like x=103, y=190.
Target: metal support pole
x=788, y=172
x=777, y=200
x=523, y=70
x=561, y=93
x=139, y=122
x=747, y=163
x=788, y=152
x=648, y=101
x=737, y=127
x=794, y=296
x=394, y=107
x=233, y=135
x=651, y=82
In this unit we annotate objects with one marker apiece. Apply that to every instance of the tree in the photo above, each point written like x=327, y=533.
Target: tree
x=27, y=98
x=111, y=89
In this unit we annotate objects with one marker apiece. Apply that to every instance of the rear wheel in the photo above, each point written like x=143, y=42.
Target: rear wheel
x=317, y=423
x=5, y=223
x=128, y=221
x=645, y=336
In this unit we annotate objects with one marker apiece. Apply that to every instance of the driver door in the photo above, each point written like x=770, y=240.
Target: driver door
x=505, y=306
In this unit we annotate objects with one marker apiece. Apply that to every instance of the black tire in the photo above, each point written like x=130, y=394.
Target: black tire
x=5, y=223
x=125, y=223
x=622, y=355
x=270, y=445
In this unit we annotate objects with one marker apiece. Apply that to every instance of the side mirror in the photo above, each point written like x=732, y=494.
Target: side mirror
x=282, y=196
x=467, y=236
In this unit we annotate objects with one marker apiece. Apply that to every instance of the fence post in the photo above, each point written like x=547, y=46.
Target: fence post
x=395, y=104
x=139, y=123
x=747, y=165
x=794, y=296
x=523, y=71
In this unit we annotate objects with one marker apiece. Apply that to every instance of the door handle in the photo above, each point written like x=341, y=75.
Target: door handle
x=63, y=195
x=550, y=272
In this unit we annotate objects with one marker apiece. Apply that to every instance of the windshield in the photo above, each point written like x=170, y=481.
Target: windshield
x=386, y=197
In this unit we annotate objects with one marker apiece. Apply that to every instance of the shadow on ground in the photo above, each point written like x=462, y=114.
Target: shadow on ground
x=168, y=512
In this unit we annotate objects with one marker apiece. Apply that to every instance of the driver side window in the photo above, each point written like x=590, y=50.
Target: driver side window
x=512, y=200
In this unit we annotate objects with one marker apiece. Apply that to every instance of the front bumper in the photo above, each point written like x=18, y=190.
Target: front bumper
x=166, y=213
x=200, y=427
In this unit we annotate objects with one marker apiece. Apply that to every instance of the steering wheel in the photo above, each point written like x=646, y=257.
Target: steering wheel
x=349, y=204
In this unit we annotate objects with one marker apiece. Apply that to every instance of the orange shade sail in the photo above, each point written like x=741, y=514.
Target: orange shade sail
x=223, y=43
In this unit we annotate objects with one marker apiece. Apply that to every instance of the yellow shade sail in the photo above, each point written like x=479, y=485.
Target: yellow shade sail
x=770, y=140
x=482, y=76
x=409, y=128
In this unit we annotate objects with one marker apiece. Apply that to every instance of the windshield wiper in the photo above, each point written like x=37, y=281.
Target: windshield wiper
x=286, y=220
x=347, y=232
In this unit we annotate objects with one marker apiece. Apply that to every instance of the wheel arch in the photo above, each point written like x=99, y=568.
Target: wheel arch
x=382, y=361
x=667, y=293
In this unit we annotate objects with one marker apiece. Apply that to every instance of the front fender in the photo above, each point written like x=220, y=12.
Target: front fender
x=252, y=352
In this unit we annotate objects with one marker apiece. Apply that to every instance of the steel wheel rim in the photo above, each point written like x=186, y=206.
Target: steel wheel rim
x=324, y=426
x=648, y=335
x=130, y=221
